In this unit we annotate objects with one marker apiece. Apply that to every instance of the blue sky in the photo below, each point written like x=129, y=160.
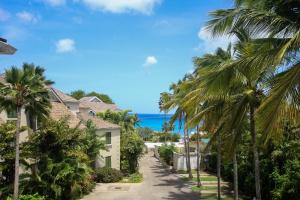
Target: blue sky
x=129, y=49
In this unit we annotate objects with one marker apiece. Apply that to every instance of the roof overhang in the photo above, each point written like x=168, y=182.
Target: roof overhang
x=6, y=48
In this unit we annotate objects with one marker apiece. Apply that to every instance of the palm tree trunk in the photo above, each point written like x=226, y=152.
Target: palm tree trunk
x=255, y=153
x=219, y=164
x=187, y=149
x=198, y=159
x=188, y=154
x=17, y=158
x=235, y=174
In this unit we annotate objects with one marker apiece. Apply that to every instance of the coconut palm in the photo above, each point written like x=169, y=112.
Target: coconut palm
x=275, y=29
x=174, y=100
x=24, y=89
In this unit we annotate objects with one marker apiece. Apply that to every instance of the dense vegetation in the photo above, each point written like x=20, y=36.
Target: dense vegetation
x=244, y=97
x=280, y=164
x=108, y=175
x=78, y=94
x=56, y=157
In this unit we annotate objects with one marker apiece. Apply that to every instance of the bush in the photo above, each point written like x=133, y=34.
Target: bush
x=166, y=153
x=29, y=197
x=108, y=175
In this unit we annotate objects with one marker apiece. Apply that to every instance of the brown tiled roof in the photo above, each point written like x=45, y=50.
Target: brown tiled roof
x=59, y=111
x=99, y=123
x=64, y=97
x=99, y=106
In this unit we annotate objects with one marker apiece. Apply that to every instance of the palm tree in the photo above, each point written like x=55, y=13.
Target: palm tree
x=173, y=100
x=275, y=30
x=24, y=89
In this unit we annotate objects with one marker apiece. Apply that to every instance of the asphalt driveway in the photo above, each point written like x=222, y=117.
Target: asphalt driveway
x=158, y=184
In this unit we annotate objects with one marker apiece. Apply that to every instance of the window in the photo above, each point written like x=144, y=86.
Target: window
x=12, y=114
x=108, y=161
x=108, y=137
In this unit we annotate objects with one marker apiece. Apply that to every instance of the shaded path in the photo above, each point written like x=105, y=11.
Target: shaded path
x=158, y=184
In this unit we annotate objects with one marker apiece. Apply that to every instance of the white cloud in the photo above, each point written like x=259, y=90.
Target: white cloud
x=27, y=17
x=150, y=60
x=55, y=2
x=121, y=6
x=4, y=15
x=65, y=45
x=209, y=44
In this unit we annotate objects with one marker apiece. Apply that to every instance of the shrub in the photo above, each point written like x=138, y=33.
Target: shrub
x=108, y=175
x=29, y=197
x=132, y=146
x=166, y=153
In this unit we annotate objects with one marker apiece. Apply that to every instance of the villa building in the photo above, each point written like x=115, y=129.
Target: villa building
x=63, y=105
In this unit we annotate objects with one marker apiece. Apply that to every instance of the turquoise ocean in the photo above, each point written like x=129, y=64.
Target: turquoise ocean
x=156, y=121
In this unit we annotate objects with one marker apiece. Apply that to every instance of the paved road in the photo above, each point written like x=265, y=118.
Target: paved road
x=158, y=184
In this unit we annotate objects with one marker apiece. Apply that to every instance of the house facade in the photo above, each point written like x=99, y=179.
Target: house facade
x=63, y=105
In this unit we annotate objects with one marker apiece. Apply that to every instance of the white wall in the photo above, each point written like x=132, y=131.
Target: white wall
x=113, y=149
x=179, y=161
x=73, y=106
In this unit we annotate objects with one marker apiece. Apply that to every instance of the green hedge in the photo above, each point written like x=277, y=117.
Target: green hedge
x=108, y=175
x=166, y=153
x=29, y=197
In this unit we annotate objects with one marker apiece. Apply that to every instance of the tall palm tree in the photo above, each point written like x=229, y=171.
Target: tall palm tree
x=174, y=100
x=24, y=89
x=274, y=27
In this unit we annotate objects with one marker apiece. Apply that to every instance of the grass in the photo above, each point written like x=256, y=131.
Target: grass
x=185, y=172
x=198, y=189
x=206, y=178
x=213, y=197
x=202, y=178
x=133, y=178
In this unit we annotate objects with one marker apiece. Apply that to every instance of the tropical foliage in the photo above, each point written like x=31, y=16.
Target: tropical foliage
x=250, y=90
x=24, y=89
x=58, y=159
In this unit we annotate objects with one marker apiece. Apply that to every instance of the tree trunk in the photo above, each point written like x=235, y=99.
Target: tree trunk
x=219, y=165
x=188, y=157
x=255, y=153
x=198, y=158
x=17, y=158
x=235, y=174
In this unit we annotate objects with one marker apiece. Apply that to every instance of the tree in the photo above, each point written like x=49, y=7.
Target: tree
x=62, y=161
x=23, y=89
x=93, y=143
x=7, y=154
x=78, y=94
x=132, y=151
x=173, y=100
